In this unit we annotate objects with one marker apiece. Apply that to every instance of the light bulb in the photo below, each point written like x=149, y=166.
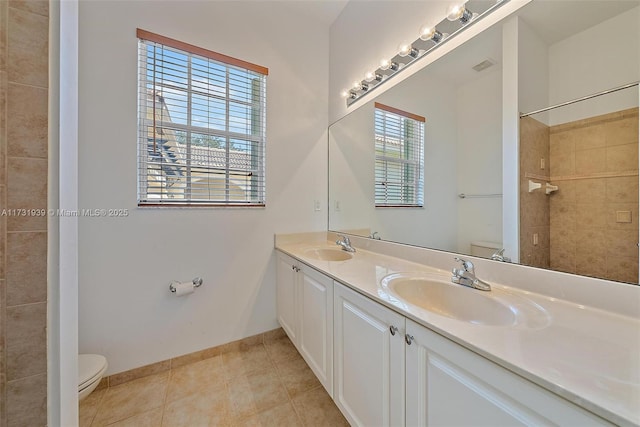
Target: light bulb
x=344, y=93
x=455, y=12
x=404, y=49
x=385, y=64
x=370, y=76
x=357, y=85
x=427, y=32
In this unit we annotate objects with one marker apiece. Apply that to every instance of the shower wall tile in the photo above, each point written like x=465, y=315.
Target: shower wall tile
x=28, y=50
x=589, y=137
x=585, y=236
x=590, y=161
x=26, y=268
x=33, y=6
x=589, y=190
x=622, y=158
x=27, y=401
x=27, y=189
x=24, y=32
x=27, y=111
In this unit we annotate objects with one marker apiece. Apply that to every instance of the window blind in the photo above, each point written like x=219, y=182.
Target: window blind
x=201, y=126
x=399, y=168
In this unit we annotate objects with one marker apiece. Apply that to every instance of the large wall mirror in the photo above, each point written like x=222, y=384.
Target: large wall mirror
x=576, y=165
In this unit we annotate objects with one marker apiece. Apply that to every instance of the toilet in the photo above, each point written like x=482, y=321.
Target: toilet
x=91, y=368
x=485, y=249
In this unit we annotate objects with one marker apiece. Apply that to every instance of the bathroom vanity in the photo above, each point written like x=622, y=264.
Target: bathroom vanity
x=395, y=343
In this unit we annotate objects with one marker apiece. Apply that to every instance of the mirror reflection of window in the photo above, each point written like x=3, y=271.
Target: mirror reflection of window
x=399, y=167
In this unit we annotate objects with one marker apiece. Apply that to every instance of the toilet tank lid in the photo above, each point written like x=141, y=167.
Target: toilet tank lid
x=90, y=365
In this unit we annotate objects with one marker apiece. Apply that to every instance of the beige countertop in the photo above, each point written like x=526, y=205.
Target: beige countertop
x=586, y=355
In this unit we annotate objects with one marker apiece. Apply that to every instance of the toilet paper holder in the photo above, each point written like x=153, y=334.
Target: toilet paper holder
x=197, y=282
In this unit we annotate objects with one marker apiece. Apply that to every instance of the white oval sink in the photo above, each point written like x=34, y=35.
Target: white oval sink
x=450, y=300
x=328, y=254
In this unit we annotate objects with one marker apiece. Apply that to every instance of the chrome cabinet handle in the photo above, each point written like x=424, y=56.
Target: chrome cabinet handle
x=393, y=329
x=296, y=269
x=408, y=338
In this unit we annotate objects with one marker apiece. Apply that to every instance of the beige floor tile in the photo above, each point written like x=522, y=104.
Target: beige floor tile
x=280, y=416
x=196, y=378
x=247, y=361
x=211, y=408
x=256, y=392
x=151, y=418
x=296, y=376
x=89, y=407
x=281, y=349
x=316, y=409
x=132, y=398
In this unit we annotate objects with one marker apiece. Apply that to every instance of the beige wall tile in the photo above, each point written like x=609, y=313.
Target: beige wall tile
x=27, y=358
x=591, y=161
x=622, y=190
x=27, y=111
x=27, y=401
x=34, y=6
x=590, y=215
x=26, y=322
x=622, y=243
x=589, y=137
x=562, y=215
x=27, y=189
x=622, y=158
x=562, y=259
x=563, y=163
x=588, y=190
x=27, y=59
x=3, y=125
x=3, y=352
x=561, y=143
x=623, y=269
x=567, y=192
x=589, y=264
x=26, y=268
x=4, y=26
x=622, y=131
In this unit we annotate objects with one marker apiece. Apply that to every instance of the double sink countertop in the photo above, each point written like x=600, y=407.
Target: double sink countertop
x=586, y=355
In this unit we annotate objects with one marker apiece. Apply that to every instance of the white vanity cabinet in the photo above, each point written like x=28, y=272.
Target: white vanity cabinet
x=369, y=360
x=450, y=385
x=305, y=312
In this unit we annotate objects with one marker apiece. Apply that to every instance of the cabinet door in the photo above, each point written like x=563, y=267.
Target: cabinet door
x=286, y=277
x=315, y=333
x=368, y=360
x=450, y=385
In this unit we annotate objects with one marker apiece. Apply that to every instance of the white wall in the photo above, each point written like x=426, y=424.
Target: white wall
x=479, y=154
x=602, y=57
x=126, y=311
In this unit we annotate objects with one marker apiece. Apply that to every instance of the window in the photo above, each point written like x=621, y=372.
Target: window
x=399, y=143
x=201, y=126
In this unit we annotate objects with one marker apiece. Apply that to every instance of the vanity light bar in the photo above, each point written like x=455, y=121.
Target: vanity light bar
x=458, y=18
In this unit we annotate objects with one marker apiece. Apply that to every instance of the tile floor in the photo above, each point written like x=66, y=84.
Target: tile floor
x=266, y=384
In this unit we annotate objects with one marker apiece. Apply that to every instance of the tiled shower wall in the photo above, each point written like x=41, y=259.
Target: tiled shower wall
x=594, y=216
x=534, y=206
x=24, y=27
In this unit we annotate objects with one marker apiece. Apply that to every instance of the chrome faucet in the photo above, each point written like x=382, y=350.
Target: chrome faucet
x=466, y=276
x=499, y=256
x=345, y=243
